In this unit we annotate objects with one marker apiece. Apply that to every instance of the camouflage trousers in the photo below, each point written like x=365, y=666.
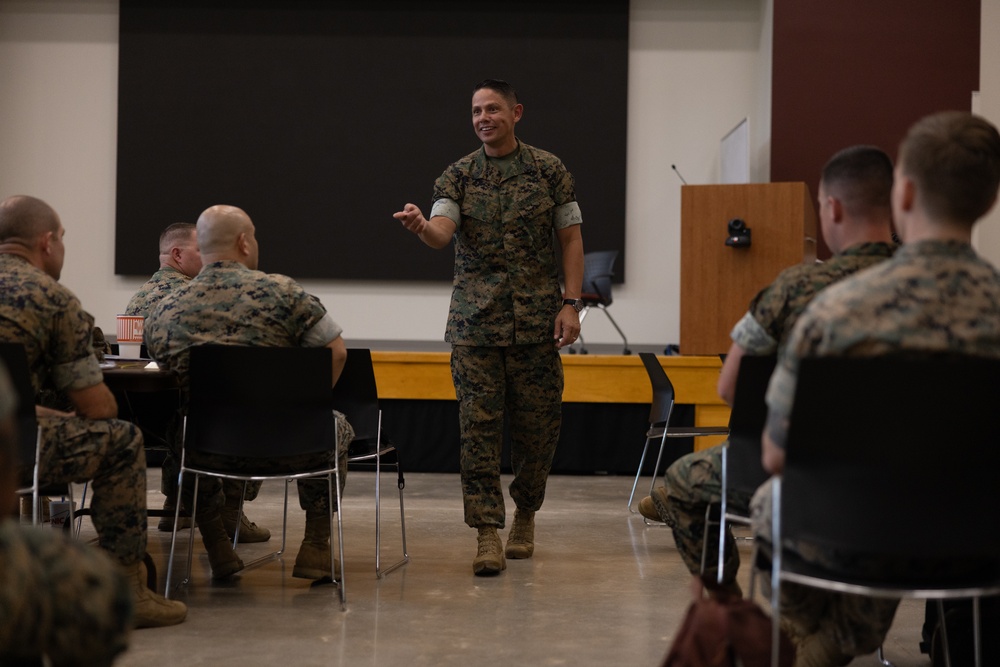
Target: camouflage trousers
x=59, y=598
x=522, y=383
x=857, y=623
x=693, y=484
x=313, y=493
x=109, y=454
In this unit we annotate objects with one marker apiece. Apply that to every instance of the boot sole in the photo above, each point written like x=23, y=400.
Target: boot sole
x=228, y=570
x=169, y=617
x=167, y=525
x=313, y=573
x=489, y=568
x=519, y=551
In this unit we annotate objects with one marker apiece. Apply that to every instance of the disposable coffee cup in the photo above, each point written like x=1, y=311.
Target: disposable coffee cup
x=59, y=512
x=129, y=335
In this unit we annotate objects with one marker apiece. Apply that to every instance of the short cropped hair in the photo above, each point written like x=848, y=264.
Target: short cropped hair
x=953, y=158
x=178, y=233
x=499, y=85
x=24, y=218
x=861, y=178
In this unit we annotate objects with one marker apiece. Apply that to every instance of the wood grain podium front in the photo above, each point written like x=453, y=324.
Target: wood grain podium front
x=718, y=280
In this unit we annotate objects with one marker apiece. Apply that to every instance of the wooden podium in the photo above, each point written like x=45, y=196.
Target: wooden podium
x=718, y=281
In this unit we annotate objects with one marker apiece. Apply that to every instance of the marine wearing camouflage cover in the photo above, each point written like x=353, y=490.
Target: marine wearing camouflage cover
x=160, y=284
x=60, y=598
x=505, y=299
x=934, y=296
x=694, y=481
x=47, y=319
x=230, y=304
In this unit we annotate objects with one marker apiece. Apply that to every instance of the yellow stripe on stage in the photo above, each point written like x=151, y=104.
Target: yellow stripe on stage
x=591, y=378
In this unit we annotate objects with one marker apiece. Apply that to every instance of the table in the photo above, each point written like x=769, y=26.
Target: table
x=133, y=375
x=147, y=397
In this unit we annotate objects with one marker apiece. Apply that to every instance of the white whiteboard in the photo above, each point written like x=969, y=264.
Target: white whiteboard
x=735, y=154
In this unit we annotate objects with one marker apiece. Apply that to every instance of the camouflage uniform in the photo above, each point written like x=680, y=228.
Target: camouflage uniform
x=229, y=304
x=59, y=598
x=47, y=318
x=934, y=296
x=694, y=481
x=159, y=285
x=504, y=303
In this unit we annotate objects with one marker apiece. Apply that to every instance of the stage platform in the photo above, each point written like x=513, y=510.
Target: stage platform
x=605, y=410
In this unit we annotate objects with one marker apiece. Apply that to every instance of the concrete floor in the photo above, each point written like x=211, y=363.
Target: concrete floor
x=602, y=589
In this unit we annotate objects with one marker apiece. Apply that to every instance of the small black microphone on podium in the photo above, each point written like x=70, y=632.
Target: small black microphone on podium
x=674, y=167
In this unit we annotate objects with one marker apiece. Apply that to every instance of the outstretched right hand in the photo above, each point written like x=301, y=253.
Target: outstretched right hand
x=412, y=218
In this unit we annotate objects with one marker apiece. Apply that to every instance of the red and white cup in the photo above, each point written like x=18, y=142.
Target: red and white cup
x=129, y=335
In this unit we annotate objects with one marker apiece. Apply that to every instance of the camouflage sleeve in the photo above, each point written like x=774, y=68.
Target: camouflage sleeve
x=562, y=183
x=449, y=208
x=71, y=353
x=449, y=184
x=752, y=337
x=322, y=333
x=567, y=215
x=305, y=310
x=770, y=306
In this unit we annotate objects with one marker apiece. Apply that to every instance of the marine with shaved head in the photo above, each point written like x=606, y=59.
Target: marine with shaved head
x=230, y=302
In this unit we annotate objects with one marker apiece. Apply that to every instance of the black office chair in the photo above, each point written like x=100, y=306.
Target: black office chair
x=356, y=396
x=741, y=453
x=29, y=435
x=598, y=269
x=659, y=421
x=261, y=404
x=893, y=459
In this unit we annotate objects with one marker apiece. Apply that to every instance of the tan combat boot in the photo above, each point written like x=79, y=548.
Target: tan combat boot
x=521, y=541
x=489, y=558
x=166, y=523
x=313, y=559
x=151, y=609
x=249, y=531
x=225, y=563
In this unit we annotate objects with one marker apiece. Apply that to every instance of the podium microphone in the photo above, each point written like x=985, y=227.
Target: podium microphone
x=674, y=167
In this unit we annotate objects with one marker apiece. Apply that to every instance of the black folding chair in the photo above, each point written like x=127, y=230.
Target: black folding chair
x=742, y=470
x=891, y=458
x=261, y=404
x=356, y=396
x=660, y=428
x=15, y=358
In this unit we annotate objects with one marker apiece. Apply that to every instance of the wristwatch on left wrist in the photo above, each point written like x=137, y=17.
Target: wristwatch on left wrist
x=576, y=303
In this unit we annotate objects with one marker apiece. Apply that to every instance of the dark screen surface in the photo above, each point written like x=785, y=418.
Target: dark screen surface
x=321, y=119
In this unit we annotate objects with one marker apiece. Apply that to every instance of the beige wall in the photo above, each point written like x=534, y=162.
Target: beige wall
x=987, y=236
x=696, y=67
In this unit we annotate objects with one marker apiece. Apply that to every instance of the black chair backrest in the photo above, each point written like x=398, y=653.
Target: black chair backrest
x=356, y=394
x=598, y=268
x=746, y=422
x=663, y=389
x=15, y=358
x=882, y=451
x=260, y=402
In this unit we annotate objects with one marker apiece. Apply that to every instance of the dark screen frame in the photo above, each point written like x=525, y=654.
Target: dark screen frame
x=322, y=118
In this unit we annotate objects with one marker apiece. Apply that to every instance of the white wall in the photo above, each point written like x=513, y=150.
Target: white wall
x=987, y=236
x=696, y=67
